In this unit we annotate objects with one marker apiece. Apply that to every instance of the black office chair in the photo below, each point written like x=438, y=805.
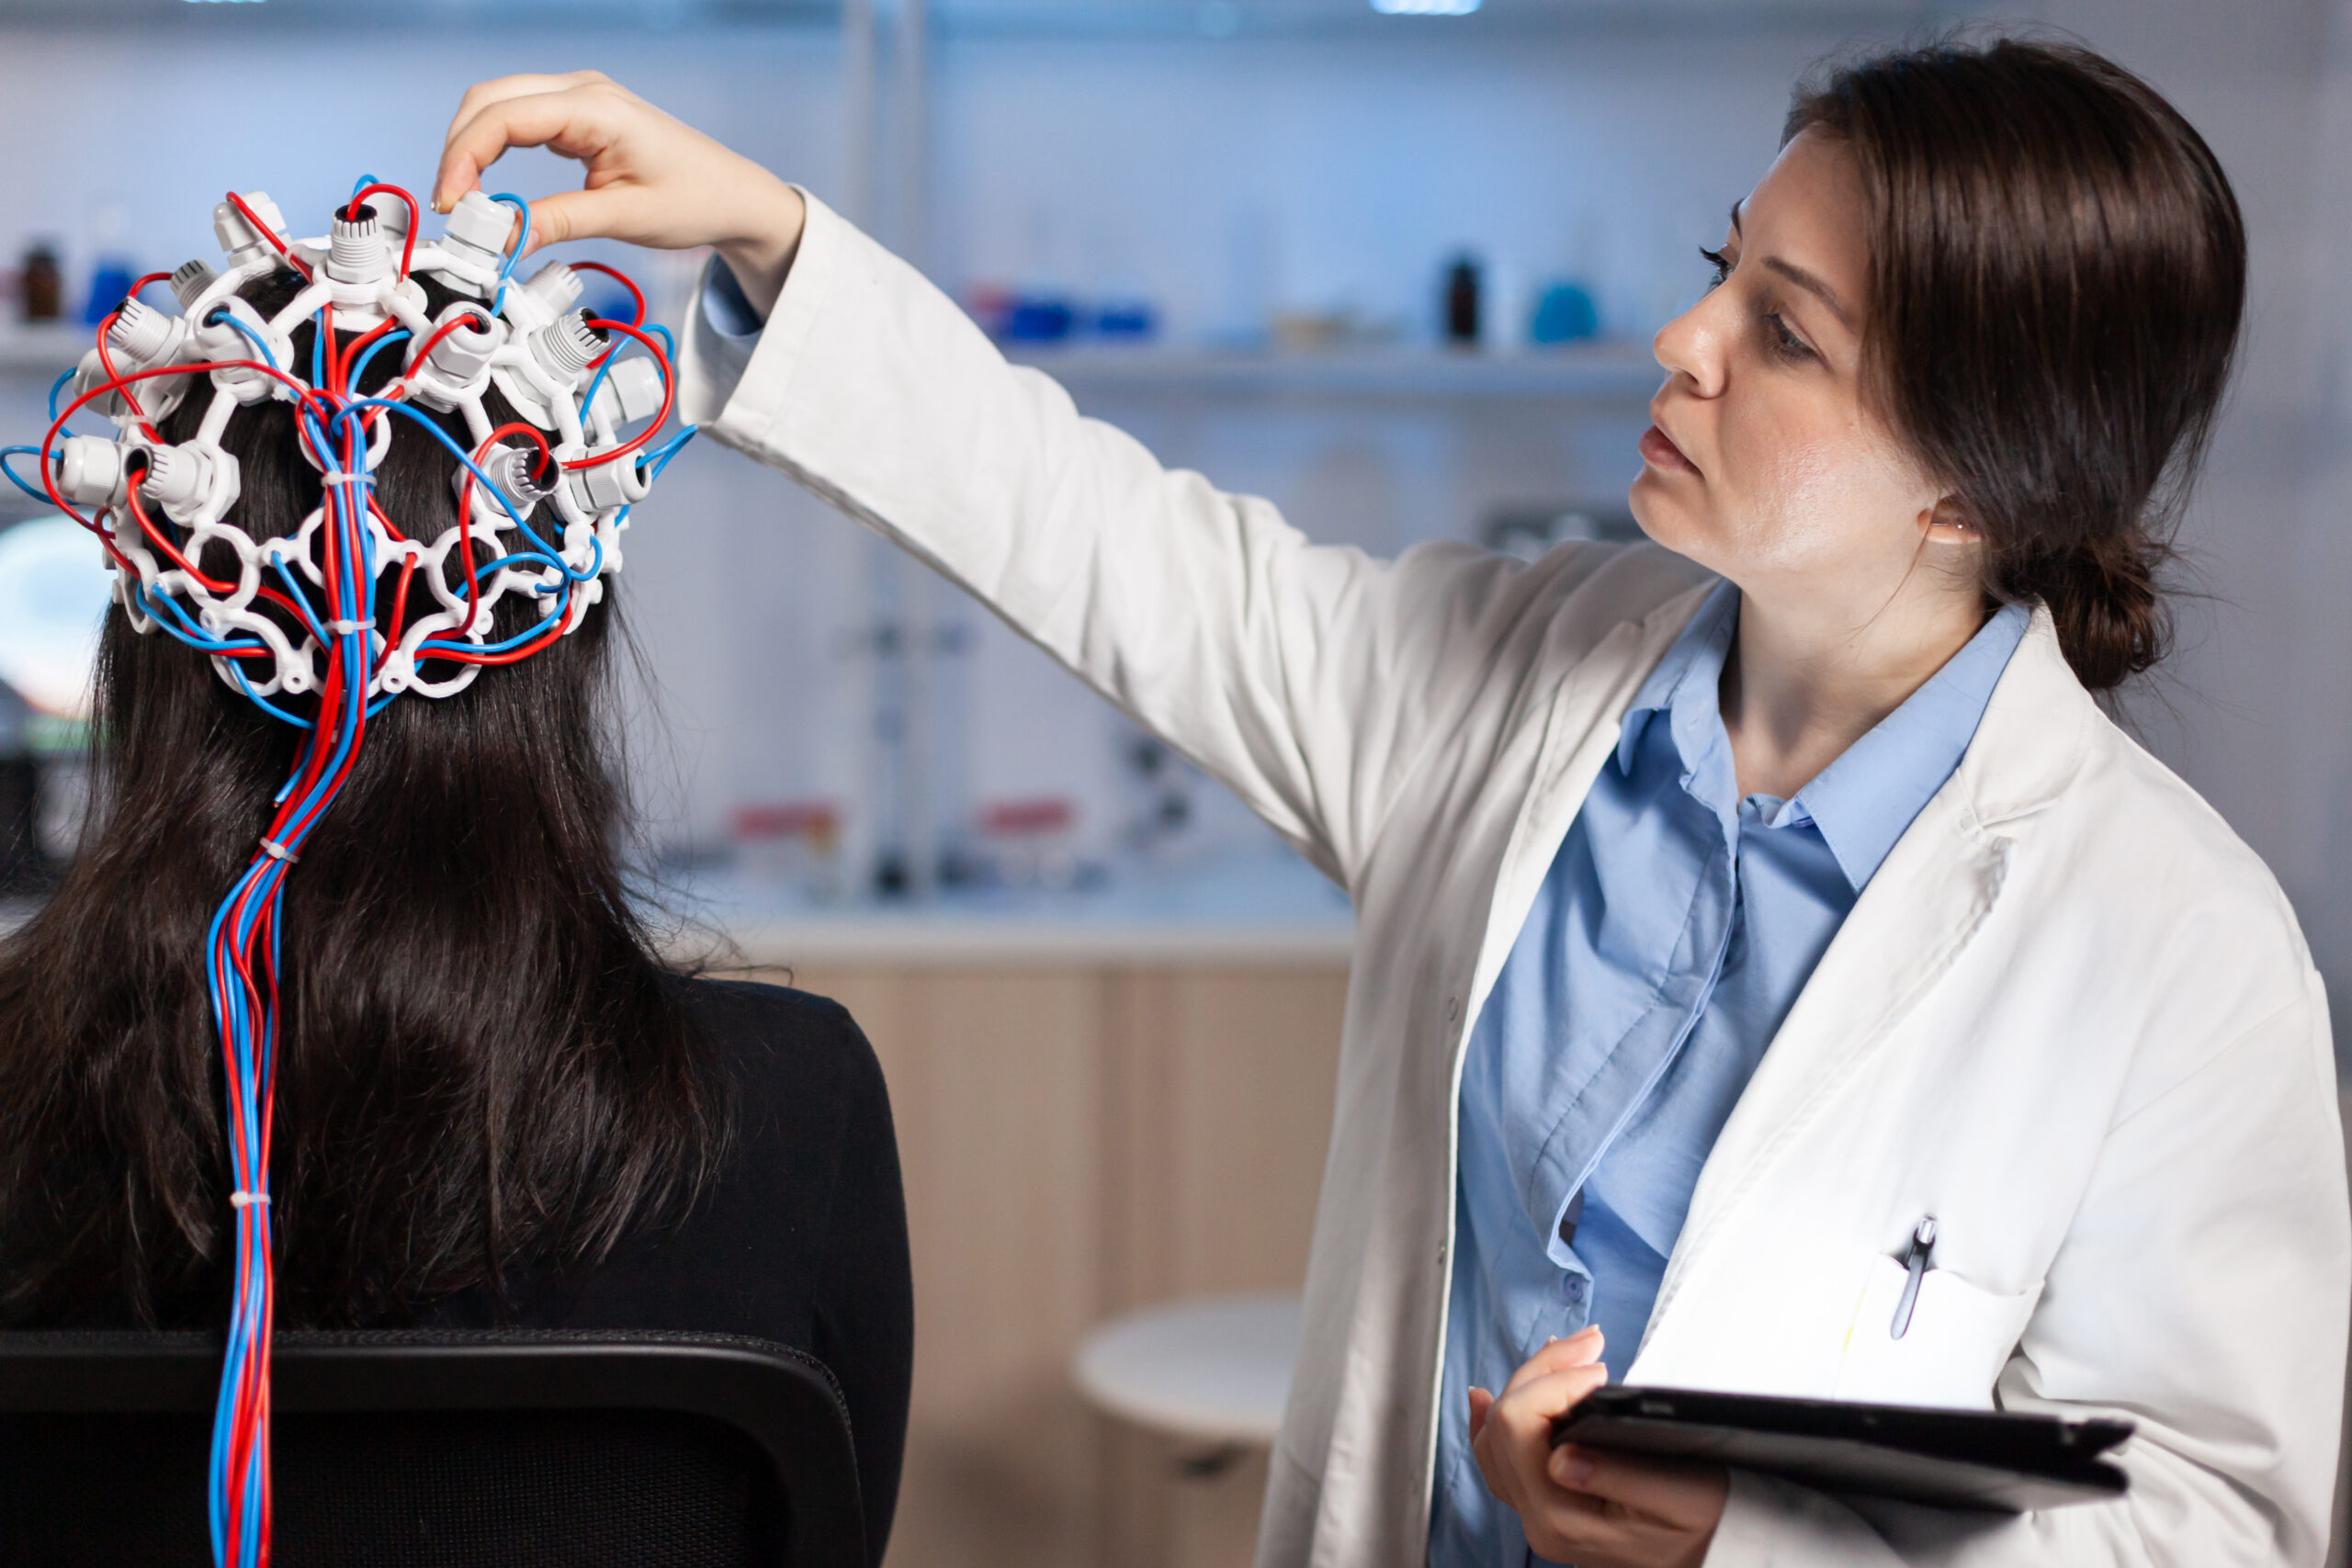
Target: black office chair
x=426, y=1449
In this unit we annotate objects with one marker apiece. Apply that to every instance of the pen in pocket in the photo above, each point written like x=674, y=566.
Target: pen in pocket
x=1915, y=1263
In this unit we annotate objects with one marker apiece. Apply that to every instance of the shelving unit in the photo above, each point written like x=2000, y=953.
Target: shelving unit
x=1612, y=372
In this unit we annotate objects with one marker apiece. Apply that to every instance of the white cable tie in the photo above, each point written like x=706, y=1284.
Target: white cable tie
x=345, y=629
x=336, y=476
x=276, y=851
x=247, y=1200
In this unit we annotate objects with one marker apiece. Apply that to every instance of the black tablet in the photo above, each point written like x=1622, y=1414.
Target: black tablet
x=2007, y=1463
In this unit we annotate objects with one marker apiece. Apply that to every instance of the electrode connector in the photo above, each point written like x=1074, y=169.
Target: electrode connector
x=241, y=239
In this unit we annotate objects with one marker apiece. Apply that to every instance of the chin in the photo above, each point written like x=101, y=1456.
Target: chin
x=1667, y=520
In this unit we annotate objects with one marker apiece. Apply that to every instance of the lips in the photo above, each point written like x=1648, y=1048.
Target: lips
x=1662, y=453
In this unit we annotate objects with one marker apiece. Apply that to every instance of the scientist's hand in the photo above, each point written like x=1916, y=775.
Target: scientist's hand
x=650, y=180
x=1581, y=1506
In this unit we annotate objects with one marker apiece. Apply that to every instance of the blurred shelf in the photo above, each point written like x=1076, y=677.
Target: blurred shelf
x=1611, y=371
x=1250, y=911
x=45, y=350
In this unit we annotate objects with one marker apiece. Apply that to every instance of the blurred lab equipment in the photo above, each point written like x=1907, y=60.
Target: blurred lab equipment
x=1527, y=531
x=792, y=845
x=1565, y=313
x=40, y=290
x=1462, y=302
x=110, y=281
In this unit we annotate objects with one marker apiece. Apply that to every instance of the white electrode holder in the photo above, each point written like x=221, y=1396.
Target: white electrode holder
x=543, y=519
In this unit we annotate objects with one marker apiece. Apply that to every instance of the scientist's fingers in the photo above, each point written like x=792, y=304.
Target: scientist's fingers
x=576, y=122
x=584, y=214
x=1689, y=1495
x=1481, y=1403
x=1514, y=1446
x=481, y=95
x=1578, y=1349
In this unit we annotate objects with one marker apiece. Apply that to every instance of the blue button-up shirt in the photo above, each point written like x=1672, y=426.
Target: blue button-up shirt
x=1674, y=931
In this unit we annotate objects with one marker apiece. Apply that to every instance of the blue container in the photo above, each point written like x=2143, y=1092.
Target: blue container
x=1565, y=313
x=110, y=286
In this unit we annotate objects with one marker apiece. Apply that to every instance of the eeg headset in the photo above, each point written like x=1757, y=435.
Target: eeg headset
x=333, y=611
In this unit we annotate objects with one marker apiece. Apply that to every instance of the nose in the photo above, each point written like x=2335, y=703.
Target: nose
x=1692, y=346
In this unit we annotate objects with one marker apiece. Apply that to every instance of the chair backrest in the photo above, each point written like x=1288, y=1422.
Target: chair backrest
x=513, y=1447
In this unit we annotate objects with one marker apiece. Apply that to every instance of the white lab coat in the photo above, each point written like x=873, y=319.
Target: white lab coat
x=2072, y=1016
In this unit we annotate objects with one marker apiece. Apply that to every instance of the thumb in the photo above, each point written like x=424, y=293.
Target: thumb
x=1482, y=1405
x=578, y=215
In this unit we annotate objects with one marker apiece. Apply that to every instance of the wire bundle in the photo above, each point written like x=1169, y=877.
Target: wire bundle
x=330, y=611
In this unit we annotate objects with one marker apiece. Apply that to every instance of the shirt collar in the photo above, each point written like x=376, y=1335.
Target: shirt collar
x=1684, y=684
x=1863, y=802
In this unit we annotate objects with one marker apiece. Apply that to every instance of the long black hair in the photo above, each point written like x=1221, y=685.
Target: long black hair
x=483, y=1062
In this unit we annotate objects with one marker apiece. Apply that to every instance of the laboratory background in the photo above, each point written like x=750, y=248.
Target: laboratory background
x=1394, y=265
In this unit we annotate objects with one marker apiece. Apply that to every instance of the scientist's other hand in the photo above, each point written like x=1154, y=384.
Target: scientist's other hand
x=650, y=180
x=1582, y=1506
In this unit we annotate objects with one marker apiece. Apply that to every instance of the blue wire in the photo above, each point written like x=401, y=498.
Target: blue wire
x=522, y=238
x=56, y=387
x=17, y=480
x=653, y=329
x=385, y=342
x=221, y=316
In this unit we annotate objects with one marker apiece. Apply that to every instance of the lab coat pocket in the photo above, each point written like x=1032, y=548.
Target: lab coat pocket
x=1959, y=1339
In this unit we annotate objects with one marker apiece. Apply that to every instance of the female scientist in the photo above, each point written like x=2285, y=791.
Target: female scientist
x=1729, y=906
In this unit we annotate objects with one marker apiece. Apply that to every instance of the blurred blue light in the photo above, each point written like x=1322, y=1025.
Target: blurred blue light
x=1425, y=8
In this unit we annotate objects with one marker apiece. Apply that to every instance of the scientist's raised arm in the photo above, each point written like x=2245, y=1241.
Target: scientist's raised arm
x=1775, y=973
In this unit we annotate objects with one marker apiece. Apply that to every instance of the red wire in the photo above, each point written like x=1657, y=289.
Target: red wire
x=114, y=376
x=466, y=508
x=288, y=257
x=415, y=215
x=669, y=396
x=635, y=295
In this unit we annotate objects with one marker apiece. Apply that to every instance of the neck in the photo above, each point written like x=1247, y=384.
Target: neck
x=1807, y=677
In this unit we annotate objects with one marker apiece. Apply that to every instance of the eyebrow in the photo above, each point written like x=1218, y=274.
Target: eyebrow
x=1798, y=276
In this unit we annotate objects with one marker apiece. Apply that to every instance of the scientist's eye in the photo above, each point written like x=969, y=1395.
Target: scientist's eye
x=1720, y=262
x=1782, y=342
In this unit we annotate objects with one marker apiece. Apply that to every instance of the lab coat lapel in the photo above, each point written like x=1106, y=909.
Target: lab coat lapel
x=1581, y=728
x=1921, y=910
x=1927, y=903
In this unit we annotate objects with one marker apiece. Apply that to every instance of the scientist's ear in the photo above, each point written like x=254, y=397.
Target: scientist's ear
x=1950, y=524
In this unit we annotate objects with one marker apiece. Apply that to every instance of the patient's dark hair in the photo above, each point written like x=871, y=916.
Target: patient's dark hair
x=2057, y=274
x=482, y=1062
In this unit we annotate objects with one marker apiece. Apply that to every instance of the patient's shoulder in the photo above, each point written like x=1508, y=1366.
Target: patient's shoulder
x=797, y=1067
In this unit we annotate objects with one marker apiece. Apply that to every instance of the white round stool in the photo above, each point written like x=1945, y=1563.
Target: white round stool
x=1213, y=1370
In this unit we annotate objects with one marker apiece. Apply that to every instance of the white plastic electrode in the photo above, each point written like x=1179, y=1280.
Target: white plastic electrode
x=191, y=280
x=632, y=391
x=94, y=471
x=240, y=239
x=178, y=478
x=555, y=285
x=477, y=232
x=144, y=336
x=358, y=251
x=508, y=468
x=607, y=485
x=563, y=348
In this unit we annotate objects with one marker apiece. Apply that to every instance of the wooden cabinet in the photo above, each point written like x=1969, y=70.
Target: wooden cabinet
x=1078, y=1140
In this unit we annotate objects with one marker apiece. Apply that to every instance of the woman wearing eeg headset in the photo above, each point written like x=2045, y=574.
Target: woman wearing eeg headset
x=1824, y=773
